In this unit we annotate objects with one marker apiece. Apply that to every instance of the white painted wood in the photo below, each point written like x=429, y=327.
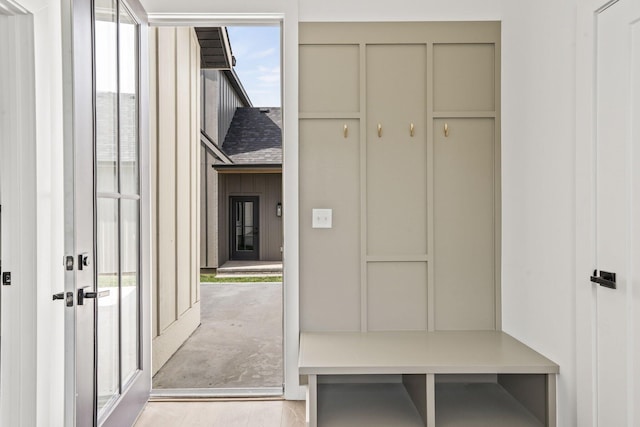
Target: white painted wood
x=450, y=352
x=183, y=167
x=18, y=180
x=617, y=48
x=585, y=214
x=312, y=401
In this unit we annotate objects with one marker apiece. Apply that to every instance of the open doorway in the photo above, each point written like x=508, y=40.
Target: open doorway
x=234, y=344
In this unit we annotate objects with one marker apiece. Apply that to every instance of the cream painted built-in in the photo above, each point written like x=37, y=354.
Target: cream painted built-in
x=407, y=156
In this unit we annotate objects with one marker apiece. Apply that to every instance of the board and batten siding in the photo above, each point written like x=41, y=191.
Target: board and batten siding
x=175, y=187
x=268, y=187
x=227, y=104
x=208, y=210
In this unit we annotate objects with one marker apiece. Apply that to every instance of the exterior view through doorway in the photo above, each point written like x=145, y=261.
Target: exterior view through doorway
x=218, y=303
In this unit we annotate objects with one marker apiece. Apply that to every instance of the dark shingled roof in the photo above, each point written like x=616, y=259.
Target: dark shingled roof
x=255, y=136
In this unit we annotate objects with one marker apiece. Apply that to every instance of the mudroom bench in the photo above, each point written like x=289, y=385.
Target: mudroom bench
x=425, y=379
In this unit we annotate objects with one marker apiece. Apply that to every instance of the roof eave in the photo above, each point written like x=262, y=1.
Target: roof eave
x=248, y=168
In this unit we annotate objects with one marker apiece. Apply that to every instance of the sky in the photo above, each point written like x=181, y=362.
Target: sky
x=257, y=52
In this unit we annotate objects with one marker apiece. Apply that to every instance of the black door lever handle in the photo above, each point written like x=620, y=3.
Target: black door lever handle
x=606, y=279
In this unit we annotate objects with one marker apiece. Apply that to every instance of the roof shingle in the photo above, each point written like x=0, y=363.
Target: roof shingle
x=255, y=136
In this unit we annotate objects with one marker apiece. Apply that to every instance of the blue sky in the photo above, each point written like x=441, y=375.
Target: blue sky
x=257, y=52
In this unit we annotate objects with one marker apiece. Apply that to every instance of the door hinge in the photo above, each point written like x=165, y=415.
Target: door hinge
x=6, y=278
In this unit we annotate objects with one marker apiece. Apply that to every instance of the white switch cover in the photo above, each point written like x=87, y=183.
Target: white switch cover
x=321, y=218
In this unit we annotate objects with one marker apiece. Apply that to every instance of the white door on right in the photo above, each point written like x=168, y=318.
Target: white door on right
x=617, y=195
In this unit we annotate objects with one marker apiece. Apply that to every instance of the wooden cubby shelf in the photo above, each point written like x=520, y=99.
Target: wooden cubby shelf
x=427, y=379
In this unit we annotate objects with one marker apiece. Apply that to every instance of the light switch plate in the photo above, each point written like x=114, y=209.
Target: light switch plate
x=321, y=218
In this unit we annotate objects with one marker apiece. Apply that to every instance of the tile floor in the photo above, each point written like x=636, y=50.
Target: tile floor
x=266, y=413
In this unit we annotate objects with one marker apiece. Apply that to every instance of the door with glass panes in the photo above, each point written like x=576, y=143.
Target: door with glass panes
x=112, y=377
x=244, y=228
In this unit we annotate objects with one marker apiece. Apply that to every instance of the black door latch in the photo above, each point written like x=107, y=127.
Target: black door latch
x=6, y=278
x=606, y=279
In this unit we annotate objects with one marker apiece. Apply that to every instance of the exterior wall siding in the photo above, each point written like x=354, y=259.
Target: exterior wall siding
x=228, y=103
x=174, y=62
x=209, y=103
x=208, y=211
x=268, y=187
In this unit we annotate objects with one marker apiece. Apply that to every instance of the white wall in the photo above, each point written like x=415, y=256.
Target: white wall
x=32, y=374
x=538, y=169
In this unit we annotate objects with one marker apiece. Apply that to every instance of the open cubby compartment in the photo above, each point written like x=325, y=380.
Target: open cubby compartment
x=497, y=400
x=371, y=400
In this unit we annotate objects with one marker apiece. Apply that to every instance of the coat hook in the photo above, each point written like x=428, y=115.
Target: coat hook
x=446, y=130
x=379, y=130
x=411, y=130
x=345, y=131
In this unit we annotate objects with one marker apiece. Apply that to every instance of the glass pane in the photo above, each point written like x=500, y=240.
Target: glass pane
x=106, y=95
x=107, y=326
x=244, y=226
x=128, y=104
x=248, y=214
x=129, y=287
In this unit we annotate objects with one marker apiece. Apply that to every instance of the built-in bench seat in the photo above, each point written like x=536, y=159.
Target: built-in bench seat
x=458, y=378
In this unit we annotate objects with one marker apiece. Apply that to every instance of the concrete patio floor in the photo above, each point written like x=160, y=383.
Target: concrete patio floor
x=237, y=345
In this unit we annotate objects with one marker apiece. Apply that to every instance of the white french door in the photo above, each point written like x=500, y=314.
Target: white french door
x=108, y=323
x=616, y=278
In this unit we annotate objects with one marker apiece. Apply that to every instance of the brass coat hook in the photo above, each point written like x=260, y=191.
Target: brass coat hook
x=345, y=131
x=446, y=130
x=379, y=130
x=411, y=130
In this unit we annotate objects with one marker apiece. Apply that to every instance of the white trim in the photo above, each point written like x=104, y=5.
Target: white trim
x=288, y=20
x=10, y=7
x=585, y=207
x=213, y=19
x=19, y=302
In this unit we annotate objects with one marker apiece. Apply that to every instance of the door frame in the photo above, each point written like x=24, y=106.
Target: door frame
x=256, y=220
x=585, y=210
x=287, y=19
x=20, y=302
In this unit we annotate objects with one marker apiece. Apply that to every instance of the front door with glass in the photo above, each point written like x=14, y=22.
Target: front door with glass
x=244, y=228
x=112, y=378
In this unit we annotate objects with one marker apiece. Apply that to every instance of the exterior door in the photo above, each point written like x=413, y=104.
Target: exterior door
x=244, y=228
x=106, y=203
x=617, y=231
